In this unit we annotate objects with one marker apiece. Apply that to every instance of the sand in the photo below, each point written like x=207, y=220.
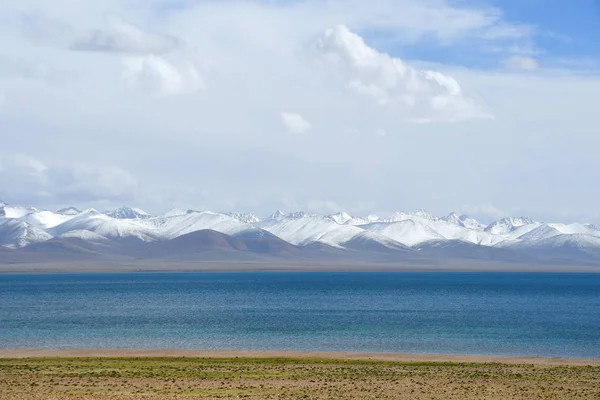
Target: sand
x=392, y=357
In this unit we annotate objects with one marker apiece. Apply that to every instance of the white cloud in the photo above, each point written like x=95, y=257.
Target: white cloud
x=123, y=37
x=22, y=176
x=27, y=180
x=118, y=36
x=16, y=68
x=295, y=123
x=46, y=31
x=86, y=182
x=418, y=95
x=522, y=63
x=23, y=164
x=156, y=75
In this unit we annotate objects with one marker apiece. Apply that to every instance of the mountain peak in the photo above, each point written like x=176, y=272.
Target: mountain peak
x=90, y=211
x=592, y=226
x=128, y=213
x=175, y=212
x=298, y=215
x=341, y=218
x=453, y=236
x=452, y=217
x=464, y=221
x=426, y=215
x=277, y=215
x=68, y=211
x=506, y=225
x=247, y=218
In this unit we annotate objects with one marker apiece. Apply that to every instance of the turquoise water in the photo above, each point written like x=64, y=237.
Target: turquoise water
x=464, y=313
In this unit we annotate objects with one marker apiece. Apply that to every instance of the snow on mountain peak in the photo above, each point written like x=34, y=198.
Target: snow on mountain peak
x=541, y=232
x=89, y=212
x=464, y=221
x=592, y=227
x=7, y=211
x=341, y=218
x=15, y=233
x=109, y=227
x=247, y=218
x=20, y=226
x=298, y=215
x=83, y=235
x=68, y=211
x=407, y=232
x=507, y=225
x=277, y=215
x=453, y=218
x=426, y=215
x=471, y=223
x=178, y=225
x=128, y=213
x=45, y=219
x=302, y=229
x=174, y=212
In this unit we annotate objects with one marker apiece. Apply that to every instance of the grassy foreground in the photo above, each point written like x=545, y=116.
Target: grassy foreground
x=271, y=378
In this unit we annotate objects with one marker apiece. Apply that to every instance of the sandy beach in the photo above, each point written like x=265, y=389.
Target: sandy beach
x=391, y=357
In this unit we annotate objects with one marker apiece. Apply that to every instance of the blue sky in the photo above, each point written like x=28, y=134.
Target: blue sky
x=564, y=28
x=562, y=33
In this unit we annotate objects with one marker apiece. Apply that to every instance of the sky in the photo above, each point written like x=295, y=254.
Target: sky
x=483, y=107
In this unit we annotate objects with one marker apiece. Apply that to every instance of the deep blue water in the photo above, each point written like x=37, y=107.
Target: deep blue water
x=466, y=313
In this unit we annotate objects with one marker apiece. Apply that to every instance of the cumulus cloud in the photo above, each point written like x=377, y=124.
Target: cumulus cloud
x=421, y=95
x=157, y=75
x=123, y=37
x=295, y=123
x=522, y=63
x=145, y=62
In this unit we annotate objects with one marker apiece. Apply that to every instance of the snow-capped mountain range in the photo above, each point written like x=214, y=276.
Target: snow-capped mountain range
x=418, y=235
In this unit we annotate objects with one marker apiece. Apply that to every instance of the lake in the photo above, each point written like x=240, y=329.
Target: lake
x=406, y=312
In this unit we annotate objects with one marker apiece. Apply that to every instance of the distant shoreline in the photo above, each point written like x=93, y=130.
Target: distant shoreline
x=212, y=266
x=220, y=354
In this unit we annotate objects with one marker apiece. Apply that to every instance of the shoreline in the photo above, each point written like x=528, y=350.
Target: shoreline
x=215, y=267
x=270, y=354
